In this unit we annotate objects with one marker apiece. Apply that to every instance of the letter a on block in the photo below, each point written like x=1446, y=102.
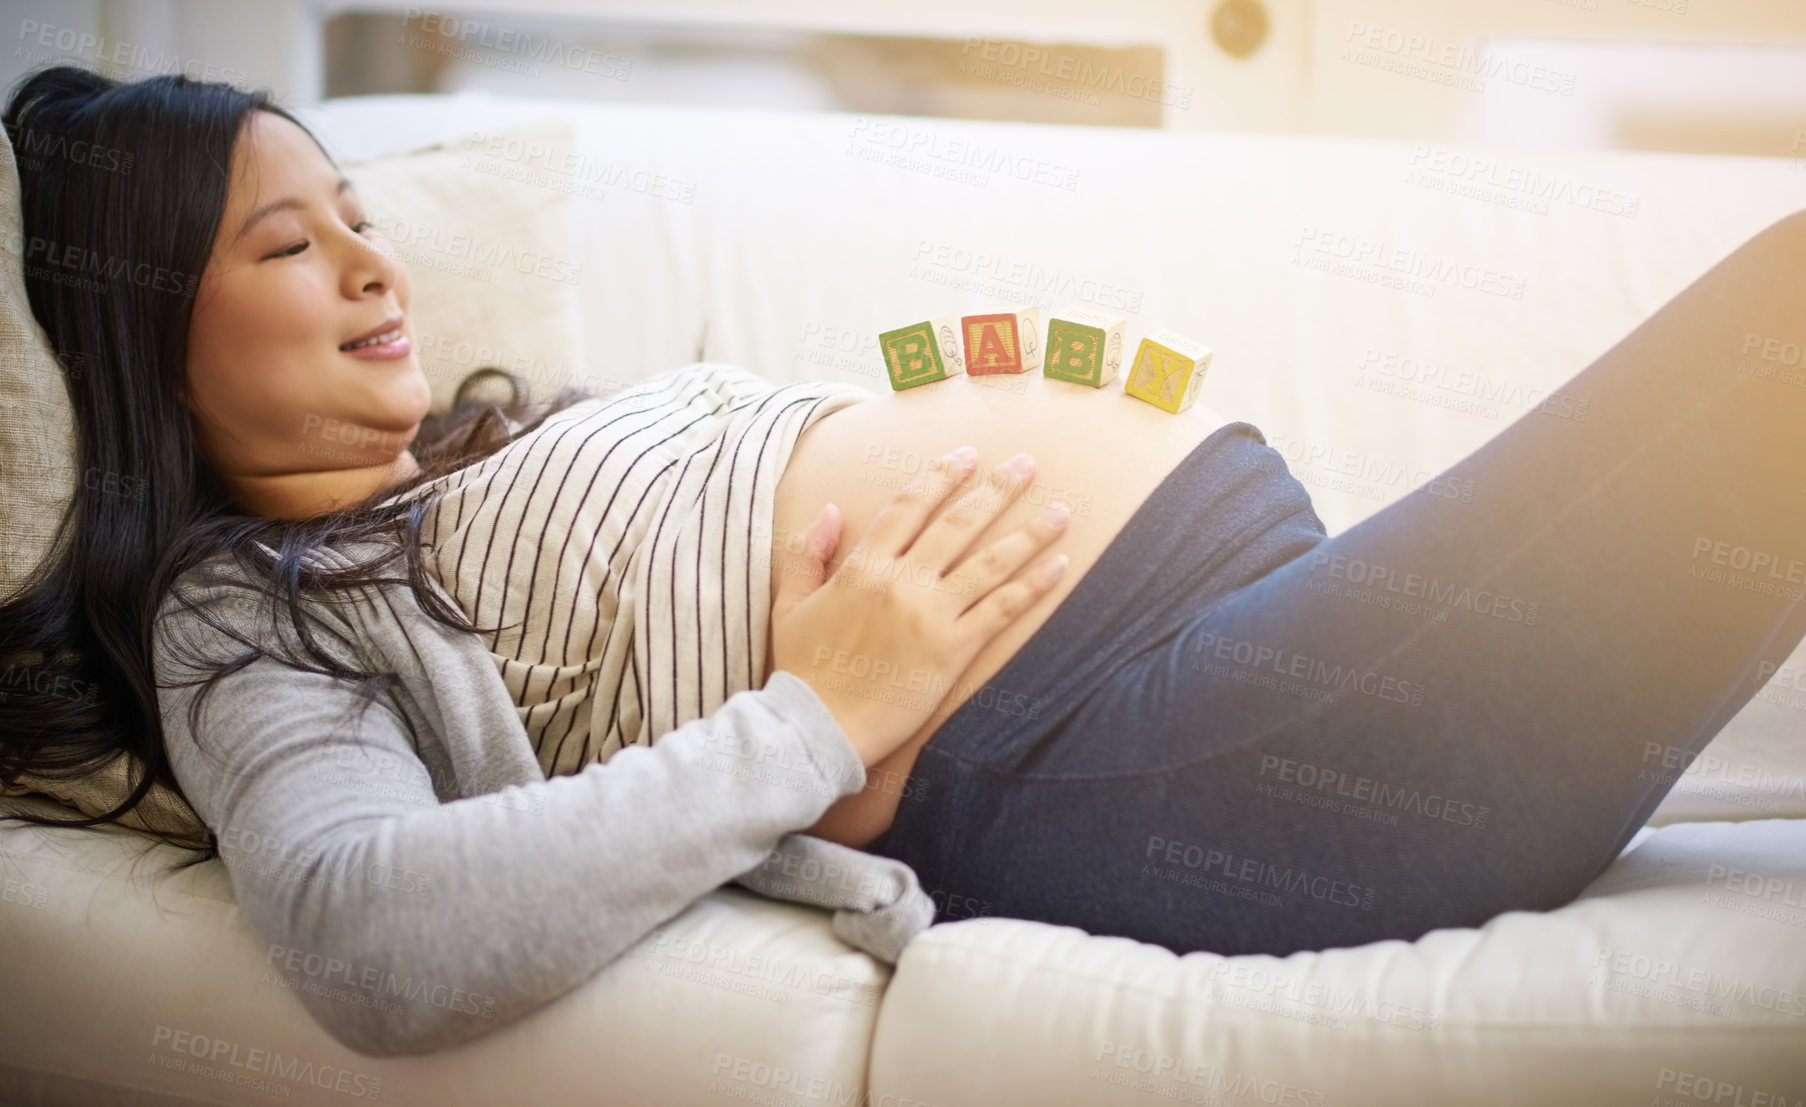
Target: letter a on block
x=991, y=344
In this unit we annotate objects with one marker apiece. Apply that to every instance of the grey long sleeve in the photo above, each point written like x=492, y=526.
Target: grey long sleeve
x=406, y=922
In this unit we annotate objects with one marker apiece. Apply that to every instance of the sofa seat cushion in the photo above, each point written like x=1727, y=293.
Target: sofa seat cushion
x=1678, y=976
x=147, y=986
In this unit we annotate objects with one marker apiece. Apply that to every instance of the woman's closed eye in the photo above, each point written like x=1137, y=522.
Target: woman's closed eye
x=359, y=226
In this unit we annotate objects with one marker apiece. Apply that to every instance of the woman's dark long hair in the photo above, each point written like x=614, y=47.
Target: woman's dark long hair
x=87, y=612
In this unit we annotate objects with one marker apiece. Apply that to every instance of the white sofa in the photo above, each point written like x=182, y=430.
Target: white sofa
x=786, y=243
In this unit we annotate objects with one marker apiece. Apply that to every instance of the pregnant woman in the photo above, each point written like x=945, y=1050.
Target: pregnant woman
x=1200, y=734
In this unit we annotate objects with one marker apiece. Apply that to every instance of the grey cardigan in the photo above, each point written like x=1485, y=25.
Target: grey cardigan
x=414, y=875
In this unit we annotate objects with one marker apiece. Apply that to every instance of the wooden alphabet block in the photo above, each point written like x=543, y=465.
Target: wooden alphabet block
x=1002, y=342
x=921, y=353
x=1084, y=347
x=1168, y=369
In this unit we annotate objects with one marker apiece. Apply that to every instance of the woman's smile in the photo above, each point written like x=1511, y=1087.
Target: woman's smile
x=383, y=342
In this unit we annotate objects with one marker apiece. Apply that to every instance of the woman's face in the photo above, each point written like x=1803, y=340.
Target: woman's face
x=288, y=394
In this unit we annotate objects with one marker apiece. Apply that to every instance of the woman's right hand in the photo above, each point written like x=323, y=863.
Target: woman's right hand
x=882, y=640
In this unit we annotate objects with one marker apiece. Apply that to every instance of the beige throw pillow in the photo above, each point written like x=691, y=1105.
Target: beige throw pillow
x=37, y=466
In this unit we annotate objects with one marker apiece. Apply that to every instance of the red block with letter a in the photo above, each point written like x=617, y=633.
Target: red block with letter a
x=1002, y=342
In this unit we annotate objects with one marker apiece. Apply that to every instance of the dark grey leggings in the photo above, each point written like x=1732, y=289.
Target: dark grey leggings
x=1248, y=737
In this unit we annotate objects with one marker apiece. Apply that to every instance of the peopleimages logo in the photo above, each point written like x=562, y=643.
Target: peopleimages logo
x=907, y=143
x=1257, y=657
x=36, y=145
x=1014, y=276
x=1776, y=565
x=211, y=1052
x=465, y=34
x=69, y=263
x=305, y=966
x=1166, y=1076
x=1447, y=61
x=1263, y=874
x=115, y=54
x=1525, y=187
x=1430, y=805
x=478, y=252
x=1098, y=77
x=1414, y=585
x=1423, y=266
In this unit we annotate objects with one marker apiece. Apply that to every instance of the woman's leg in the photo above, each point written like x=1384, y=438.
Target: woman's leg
x=1465, y=704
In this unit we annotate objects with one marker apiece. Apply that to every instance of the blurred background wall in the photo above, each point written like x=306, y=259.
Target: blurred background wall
x=1709, y=76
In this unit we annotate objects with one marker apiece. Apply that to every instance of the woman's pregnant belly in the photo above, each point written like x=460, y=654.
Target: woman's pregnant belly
x=1100, y=451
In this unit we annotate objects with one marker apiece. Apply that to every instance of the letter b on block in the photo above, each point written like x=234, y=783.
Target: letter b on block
x=1083, y=347
x=919, y=353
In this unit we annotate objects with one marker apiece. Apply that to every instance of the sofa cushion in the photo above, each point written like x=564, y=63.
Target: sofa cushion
x=37, y=480
x=37, y=467
x=147, y=983
x=1680, y=974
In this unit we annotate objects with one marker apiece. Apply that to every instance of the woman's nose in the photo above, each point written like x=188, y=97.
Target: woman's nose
x=371, y=267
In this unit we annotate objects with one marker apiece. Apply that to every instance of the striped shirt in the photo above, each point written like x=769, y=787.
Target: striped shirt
x=623, y=548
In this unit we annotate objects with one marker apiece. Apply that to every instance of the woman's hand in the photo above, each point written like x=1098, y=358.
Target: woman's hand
x=883, y=639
